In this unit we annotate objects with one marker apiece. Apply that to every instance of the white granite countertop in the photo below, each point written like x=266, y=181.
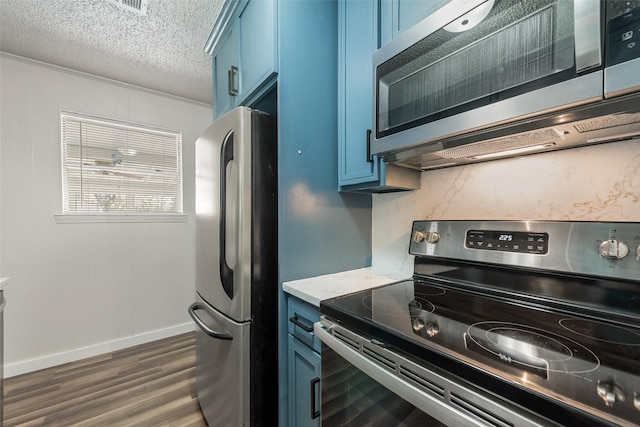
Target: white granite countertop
x=4, y=281
x=315, y=289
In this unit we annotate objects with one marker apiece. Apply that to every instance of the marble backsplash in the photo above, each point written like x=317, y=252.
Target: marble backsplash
x=594, y=183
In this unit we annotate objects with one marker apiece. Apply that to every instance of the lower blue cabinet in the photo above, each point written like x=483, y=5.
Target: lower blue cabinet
x=304, y=385
x=304, y=388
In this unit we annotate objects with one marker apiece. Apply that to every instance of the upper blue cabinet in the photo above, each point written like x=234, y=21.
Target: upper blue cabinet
x=244, y=49
x=225, y=74
x=358, y=38
x=397, y=16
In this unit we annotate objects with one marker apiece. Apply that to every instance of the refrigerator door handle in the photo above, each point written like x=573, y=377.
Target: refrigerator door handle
x=224, y=335
x=226, y=272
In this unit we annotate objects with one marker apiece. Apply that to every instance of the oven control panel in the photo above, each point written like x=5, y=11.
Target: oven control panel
x=508, y=241
x=606, y=249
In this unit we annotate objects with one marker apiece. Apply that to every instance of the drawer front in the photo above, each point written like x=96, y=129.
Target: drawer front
x=301, y=317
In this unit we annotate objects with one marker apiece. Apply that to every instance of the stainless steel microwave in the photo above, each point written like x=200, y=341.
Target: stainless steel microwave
x=483, y=79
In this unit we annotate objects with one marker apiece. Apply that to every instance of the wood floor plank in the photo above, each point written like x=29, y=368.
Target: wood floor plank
x=148, y=385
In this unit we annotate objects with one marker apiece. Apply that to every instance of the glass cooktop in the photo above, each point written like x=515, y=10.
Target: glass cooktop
x=572, y=352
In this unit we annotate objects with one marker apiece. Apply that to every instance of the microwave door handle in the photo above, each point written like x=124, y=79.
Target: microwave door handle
x=588, y=46
x=223, y=335
x=226, y=272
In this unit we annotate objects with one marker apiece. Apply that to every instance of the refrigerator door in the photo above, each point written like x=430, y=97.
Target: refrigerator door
x=223, y=214
x=222, y=366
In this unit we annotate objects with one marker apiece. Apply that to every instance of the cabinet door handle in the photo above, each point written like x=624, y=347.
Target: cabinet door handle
x=314, y=413
x=298, y=322
x=231, y=76
x=369, y=158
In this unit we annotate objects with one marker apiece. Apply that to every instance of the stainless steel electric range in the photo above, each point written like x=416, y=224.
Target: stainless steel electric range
x=504, y=323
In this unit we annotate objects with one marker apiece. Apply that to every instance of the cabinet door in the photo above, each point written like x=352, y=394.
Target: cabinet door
x=257, y=24
x=304, y=385
x=225, y=67
x=358, y=38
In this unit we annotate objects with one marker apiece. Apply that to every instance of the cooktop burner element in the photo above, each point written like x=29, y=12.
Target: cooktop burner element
x=601, y=331
x=385, y=303
x=535, y=350
x=562, y=323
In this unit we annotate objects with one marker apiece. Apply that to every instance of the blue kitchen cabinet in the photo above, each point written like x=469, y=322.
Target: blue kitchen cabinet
x=245, y=57
x=301, y=90
x=304, y=379
x=303, y=365
x=320, y=231
x=258, y=48
x=398, y=16
x=225, y=78
x=357, y=39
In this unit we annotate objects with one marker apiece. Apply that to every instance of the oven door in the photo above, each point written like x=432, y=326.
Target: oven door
x=364, y=384
x=474, y=64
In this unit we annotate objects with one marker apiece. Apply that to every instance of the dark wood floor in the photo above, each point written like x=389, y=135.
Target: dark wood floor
x=148, y=385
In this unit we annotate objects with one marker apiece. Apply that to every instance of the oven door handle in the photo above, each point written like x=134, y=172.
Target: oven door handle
x=415, y=396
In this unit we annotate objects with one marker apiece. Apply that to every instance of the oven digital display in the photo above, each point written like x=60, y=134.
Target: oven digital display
x=508, y=241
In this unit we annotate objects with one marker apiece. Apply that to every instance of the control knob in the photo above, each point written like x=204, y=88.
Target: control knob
x=429, y=236
x=419, y=236
x=430, y=329
x=610, y=393
x=613, y=249
x=418, y=324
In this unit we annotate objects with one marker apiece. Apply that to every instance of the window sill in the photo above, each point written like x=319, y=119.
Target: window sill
x=97, y=218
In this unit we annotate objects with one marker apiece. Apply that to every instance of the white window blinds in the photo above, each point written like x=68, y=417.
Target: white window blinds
x=112, y=166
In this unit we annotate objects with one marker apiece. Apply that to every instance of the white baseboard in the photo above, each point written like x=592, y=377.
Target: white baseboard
x=19, y=368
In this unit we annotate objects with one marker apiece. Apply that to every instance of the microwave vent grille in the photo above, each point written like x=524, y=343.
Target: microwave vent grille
x=507, y=143
x=606, y=122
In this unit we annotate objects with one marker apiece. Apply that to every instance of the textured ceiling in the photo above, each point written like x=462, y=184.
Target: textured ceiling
x=160, y=51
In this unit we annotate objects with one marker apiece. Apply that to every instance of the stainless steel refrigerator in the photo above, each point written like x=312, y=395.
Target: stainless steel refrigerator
x=236, y=270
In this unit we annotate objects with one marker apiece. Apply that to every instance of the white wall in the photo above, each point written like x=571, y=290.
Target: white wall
x=594, y=183
x=80, y=289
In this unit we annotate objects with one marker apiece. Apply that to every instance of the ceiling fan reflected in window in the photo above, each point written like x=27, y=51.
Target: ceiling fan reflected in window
x=138, y=163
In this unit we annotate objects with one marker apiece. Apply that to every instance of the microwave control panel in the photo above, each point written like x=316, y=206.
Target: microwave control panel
x=623, y=31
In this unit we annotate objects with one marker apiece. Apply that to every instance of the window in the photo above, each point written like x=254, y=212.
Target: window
x=113, y=167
